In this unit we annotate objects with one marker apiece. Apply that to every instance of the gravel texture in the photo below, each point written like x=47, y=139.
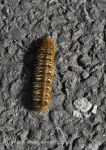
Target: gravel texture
x=77, y=116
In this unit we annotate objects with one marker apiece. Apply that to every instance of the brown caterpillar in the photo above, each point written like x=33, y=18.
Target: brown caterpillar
x=42, y=85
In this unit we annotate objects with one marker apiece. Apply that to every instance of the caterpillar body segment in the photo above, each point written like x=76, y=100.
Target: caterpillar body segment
x=42, y=87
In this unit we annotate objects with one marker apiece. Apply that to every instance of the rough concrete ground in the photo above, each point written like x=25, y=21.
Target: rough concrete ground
x=77, y=116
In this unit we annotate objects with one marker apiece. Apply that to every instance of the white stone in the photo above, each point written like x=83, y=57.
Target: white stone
x=82, y=104
x=94, y=109
x=77, y=114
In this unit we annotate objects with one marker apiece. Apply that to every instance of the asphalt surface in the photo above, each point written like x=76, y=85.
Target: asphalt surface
x=77, y=116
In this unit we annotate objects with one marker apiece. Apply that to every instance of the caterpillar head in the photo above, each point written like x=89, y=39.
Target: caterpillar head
x=49, y=42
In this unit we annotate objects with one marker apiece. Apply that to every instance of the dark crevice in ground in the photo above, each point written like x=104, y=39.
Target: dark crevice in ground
x=105, y=33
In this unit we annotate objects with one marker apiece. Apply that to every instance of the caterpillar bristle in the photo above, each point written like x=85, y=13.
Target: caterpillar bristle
x=43, y=76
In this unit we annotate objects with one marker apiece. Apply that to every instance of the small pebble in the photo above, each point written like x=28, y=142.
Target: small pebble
x=92, y=80
x=85, y=74
x=94, y=109
x=82, y=104
x=77, y=114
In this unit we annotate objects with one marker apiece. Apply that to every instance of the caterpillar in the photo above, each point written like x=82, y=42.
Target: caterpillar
x=44, y=74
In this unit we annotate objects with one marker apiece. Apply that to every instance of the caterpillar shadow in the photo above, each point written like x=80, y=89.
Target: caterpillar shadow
x=29, y=65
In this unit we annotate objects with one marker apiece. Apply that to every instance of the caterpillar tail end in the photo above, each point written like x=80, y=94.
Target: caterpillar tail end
x=42, y=109
x=42, y=106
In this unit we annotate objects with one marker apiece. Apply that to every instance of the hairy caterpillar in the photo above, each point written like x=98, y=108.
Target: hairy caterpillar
x=43, y=77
